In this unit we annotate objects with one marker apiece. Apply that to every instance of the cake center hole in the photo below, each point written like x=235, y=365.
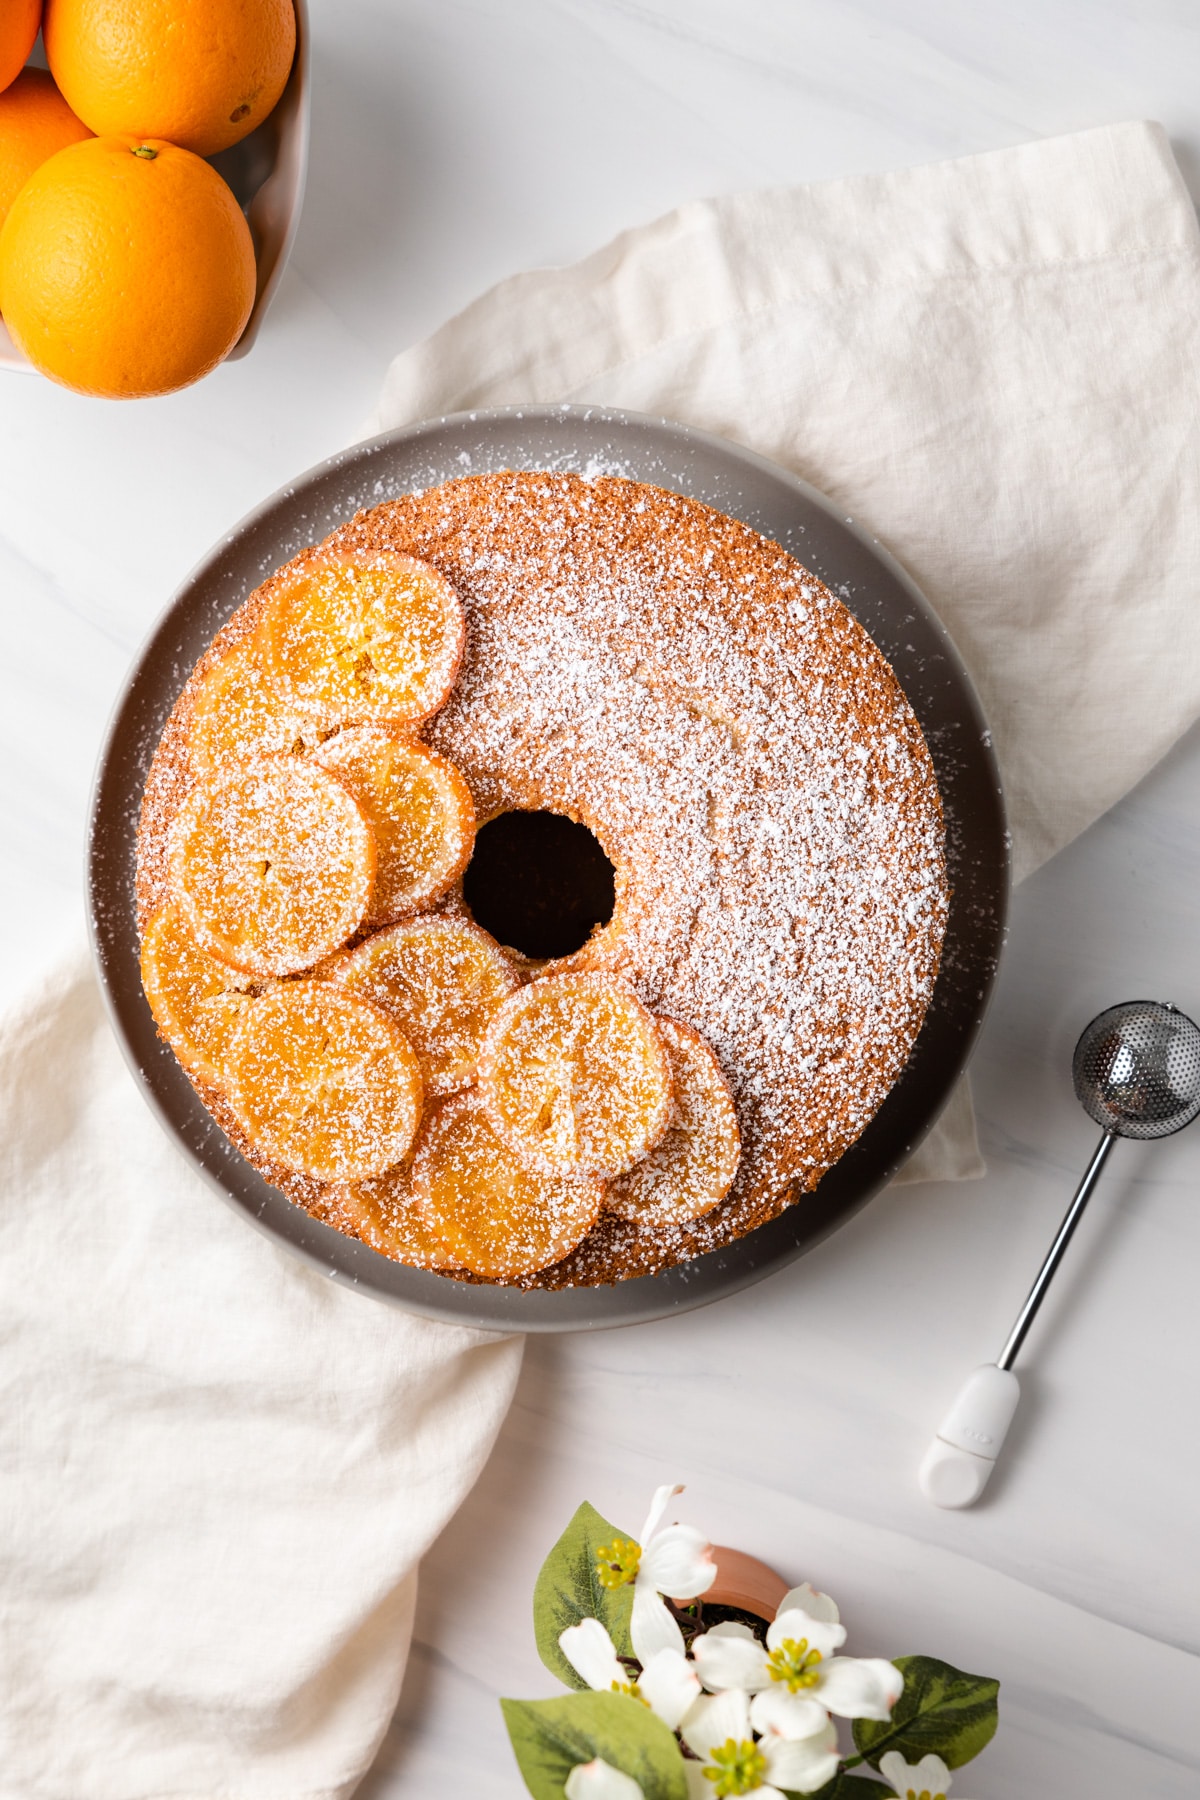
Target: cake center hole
x=539, y=883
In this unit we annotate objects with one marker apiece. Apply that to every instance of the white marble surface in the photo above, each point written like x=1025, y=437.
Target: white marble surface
x=456, y=141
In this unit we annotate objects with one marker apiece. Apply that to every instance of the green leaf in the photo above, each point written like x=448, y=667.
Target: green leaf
x=549, y=1737
x=567, y=1590
x=941, y=1710
x=848, y=1787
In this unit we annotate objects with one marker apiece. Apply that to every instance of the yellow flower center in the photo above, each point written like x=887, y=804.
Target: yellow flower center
x=736, y=1768
x=923, y=1795
x=618, y=1562
x=631, y=1688
x=796, y=1665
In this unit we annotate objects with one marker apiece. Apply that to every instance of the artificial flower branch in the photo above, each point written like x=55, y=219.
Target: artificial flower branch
x=674, y=1700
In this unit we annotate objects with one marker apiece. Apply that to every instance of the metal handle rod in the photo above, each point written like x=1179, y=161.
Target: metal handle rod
x=1054, y=1256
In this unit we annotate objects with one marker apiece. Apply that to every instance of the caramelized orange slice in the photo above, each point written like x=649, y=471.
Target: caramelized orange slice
x=360, y=639
x=324, y=1083
x=418, y=807
x=237, y=714
x=272, y=864
x=497, y=1217
x=575, y=1077
x=390, y=1218
x=196, y=1000
x=693, y=1165
x=441, y=980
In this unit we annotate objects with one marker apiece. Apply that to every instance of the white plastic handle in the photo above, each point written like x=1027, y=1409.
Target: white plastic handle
x=962, y=1456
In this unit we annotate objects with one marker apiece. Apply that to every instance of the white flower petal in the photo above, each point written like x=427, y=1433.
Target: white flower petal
x=669, y=1684
x=894, y=1770
x=822, y=1635
x=780, y=1714
x=678, y=1562
x=811, y=1600
x=930, y=1775
x=859, y=1687
x=663, y=1497
x=651, y=1626
x=714, y=1718
x=730, y=1662
x=589, y=1650
x=802, y=1764
x=598, y=1780
x=732, y=1628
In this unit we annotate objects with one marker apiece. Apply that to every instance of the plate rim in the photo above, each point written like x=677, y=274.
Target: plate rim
x=466, y=1304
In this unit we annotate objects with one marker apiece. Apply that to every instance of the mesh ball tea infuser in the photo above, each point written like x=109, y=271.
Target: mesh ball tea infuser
x=1136, y=1071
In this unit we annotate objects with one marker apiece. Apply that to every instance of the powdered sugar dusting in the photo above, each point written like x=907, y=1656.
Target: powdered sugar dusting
x=693, y=1165
x=753, y=770
x=678, y=683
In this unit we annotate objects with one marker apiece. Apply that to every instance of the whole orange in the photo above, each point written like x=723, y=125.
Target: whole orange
x=19, y=22
x=201, y=73
x=126, y=268
x=35, y=121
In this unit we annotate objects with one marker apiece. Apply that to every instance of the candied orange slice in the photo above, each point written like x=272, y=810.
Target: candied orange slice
x=497, y=1217
x=323, y=1082
x=693, y=1165
x=441, y=980
x=418, y=807
x=272, y=864
x=358, y=639
x=196, y=1000
x=237, y=713
x=390, y=1218
x=575, y=1077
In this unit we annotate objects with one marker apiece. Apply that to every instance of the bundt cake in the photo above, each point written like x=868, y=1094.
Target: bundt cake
x=330, y=906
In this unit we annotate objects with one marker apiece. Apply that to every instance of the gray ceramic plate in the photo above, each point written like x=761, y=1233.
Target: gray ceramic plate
x=708, y=468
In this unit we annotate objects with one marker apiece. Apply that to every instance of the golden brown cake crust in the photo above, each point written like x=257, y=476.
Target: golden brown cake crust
x=746, y=757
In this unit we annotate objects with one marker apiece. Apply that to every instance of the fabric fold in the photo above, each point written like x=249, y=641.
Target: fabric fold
x=221, y=1469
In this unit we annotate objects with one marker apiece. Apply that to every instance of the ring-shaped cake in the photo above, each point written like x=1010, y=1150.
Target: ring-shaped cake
x=662, y=674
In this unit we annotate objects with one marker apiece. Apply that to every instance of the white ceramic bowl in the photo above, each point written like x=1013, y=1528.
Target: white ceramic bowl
x=266, y=171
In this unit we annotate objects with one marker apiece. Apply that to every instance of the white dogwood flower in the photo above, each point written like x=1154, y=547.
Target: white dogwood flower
x=667, y=1559
x=668, y=1683
x=719, y=1730
x=927, y=1780
x=797, y=1668
x=598, y=1780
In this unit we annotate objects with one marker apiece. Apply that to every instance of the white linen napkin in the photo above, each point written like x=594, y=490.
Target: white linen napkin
x=220, y=1470
x=992, y=364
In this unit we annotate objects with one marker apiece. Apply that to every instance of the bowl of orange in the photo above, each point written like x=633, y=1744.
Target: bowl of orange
x=151, y=179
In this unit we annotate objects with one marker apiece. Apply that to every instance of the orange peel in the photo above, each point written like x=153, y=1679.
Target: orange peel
x=323, y=1083
x=389, y=1218
x=364, y=639
x=692, y=1167
x=442, y=981
x=575, y=1077
x=497, y=1217
x=419, y=809
x=272, y=864
x=196, y=1000
x=237, y=715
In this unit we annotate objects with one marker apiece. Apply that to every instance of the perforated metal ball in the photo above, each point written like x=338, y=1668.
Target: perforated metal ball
x=1136, y=1069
